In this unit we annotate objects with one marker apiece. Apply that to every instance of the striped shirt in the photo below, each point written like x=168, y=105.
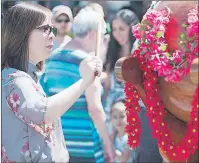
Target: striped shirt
x=82, y=139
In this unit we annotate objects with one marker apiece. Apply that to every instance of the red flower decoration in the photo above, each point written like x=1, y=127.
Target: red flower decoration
x=156, y=62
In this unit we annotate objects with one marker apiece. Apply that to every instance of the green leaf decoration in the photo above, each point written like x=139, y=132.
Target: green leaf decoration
x=146, y=22
x=184, y=25
x=167, y=54
x=183, y=36
x=163, y=47
x=159, y=34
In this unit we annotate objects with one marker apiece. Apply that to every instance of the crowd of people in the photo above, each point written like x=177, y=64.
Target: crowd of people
x=66, y=113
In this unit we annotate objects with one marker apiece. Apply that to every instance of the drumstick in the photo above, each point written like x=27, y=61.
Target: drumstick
x=98, y=41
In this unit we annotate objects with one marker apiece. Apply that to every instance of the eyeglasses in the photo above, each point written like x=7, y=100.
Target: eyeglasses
x=62, y=20
x=48, y=29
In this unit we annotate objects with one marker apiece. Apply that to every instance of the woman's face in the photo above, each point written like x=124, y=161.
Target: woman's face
x=120, y=31
x=41, y=42
x=63, y=24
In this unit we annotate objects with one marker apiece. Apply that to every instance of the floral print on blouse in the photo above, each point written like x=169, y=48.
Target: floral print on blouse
x=25, y=136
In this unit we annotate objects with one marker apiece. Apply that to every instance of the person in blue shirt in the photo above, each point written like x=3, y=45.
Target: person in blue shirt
x=85, y=122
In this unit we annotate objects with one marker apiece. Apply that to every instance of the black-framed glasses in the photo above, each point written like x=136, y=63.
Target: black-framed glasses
x=62, y=20
x=48, y=29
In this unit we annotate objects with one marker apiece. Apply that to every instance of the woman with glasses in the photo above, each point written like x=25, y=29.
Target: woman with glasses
x=31, y=127
x=62, y=19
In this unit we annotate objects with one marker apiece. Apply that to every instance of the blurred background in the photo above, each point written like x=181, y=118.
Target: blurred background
x=110, y=7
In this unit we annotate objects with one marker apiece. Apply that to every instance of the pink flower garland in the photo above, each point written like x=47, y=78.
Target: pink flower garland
x=153, y=46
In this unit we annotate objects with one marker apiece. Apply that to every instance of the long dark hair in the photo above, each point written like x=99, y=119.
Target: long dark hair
x=130, y=18
x=18, y=23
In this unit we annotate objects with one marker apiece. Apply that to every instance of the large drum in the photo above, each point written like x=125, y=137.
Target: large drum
x=177, y=97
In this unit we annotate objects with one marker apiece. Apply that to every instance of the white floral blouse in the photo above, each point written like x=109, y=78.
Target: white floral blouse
x=25, y=136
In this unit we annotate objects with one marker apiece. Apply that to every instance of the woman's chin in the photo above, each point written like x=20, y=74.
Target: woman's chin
x=47, y=54
x=121, y=43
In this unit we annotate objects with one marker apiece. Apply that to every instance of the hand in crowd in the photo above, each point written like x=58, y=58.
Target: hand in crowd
x=103, y=77
x=89, y=67
x=109, y=154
